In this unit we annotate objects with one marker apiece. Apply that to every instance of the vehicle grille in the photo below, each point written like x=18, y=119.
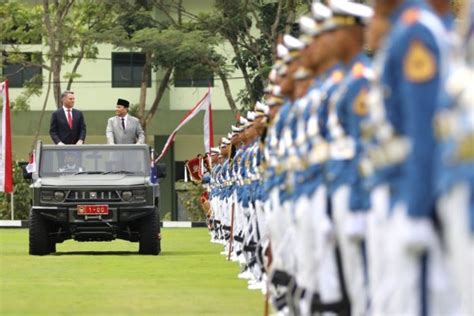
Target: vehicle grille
x=101, y=196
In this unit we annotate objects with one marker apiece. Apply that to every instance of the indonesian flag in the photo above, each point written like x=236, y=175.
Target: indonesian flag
x=194, y=169
x=203, y=104
x=6, y=176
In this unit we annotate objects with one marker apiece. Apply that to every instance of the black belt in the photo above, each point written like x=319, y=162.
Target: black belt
x=280, y=278
x=250, y=247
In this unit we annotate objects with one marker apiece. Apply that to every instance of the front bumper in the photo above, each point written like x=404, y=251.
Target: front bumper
x=68, y=214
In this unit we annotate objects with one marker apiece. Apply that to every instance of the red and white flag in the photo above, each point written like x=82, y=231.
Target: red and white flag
x=203, y=104
x=6, y=176
x=208, y=128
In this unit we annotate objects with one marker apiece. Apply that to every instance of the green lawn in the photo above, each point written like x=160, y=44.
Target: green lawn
x=189, y=277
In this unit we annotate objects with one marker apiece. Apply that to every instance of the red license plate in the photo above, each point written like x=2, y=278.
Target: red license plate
x=92, y=209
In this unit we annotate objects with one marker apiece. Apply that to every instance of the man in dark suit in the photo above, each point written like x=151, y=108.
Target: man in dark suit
x=67, y=124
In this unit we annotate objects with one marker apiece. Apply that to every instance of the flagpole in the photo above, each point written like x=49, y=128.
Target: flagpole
x=12, y=206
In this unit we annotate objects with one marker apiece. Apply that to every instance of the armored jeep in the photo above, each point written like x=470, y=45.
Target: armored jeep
x=93, y=193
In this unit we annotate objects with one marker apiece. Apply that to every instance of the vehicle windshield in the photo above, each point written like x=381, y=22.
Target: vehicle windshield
x=81, y=160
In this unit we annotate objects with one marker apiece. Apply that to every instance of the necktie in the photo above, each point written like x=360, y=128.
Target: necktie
x=69, y=119
x=123, y=123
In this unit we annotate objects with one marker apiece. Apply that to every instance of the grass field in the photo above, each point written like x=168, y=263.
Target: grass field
x=189, y=277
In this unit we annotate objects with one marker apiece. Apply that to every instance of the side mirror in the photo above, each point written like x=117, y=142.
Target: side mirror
x=26, y=175
x=161, y=170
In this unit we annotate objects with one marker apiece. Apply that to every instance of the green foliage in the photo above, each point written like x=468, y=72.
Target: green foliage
x=167, y=217
x=31, y=88
x=70, y=30
x=21, y=197
x=248, y=26
x=133, y=110
x=191, y=200
x=20, y=23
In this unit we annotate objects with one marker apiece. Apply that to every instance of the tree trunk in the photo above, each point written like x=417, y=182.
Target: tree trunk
x=143, y=88
x=243, y=69
x=56, y=66
x=76, y=65
x=228, y=93
x=159, y=95
x=42, y=112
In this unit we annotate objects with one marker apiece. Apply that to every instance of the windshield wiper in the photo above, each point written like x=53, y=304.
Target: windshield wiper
x=89, y=172
x=119, y=172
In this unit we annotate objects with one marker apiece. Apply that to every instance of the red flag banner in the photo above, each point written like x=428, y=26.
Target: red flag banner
x=203, y=104
x=6, y=176
x=194, y=168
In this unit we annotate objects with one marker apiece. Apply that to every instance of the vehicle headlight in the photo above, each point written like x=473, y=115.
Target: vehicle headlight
x=126, y=195
x=58, y=196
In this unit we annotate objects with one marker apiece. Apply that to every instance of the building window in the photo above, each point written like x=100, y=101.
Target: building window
x=127, y=70
x=195, y=77
x=18, y=74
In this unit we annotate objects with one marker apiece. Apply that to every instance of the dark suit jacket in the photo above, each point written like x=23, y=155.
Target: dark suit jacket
x=60, y=131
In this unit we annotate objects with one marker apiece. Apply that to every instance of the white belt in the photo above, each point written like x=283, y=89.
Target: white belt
x=319, y=153
x=343, y=148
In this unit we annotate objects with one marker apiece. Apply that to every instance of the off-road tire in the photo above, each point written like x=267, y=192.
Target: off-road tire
x=149, y=230
x=40, y=242
x=52, y=246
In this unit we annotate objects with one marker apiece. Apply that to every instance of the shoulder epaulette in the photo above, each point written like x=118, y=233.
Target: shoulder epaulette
x=411, y=16
x=337, y=76
x=358, y=70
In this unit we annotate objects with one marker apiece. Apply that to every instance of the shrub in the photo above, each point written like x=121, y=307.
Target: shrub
x=191, y=200
x=21, y=197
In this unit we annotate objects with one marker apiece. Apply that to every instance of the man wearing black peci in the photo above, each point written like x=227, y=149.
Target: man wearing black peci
x=68, y=126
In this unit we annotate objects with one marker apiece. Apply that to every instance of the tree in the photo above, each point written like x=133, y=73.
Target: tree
x=252, y=27
x=168, y=41
x=70, y=30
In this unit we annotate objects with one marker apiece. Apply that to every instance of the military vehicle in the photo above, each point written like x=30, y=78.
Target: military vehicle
x=94, y=193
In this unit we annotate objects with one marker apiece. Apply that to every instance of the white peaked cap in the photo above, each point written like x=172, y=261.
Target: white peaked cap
x=215, y=150
x=276, y=91
x=243, y=120
x=250, y=116
x=348, y=8
x=225, y=141
x=320, y=12
x=261, y=108
x=308, y=26
x=236, y=129
x=282, y=51
x=229, y=135
x=272, y=75
x=292, y=43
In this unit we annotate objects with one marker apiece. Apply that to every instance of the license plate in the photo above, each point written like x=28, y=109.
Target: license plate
x=92, y=209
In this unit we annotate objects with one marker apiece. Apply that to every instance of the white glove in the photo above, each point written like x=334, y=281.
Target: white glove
x=355, y=226
x=60, y=143
x=80, y=142
x=417, y=234
x=328, y=235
